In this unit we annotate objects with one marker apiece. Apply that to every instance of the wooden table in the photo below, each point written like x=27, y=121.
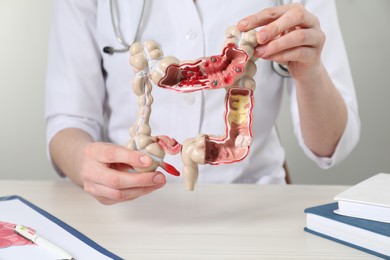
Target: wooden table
x=216, y=221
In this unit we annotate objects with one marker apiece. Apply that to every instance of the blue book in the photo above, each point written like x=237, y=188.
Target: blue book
x=367, y=235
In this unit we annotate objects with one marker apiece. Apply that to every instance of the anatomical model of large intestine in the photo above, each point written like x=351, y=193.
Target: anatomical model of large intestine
x=233, y=70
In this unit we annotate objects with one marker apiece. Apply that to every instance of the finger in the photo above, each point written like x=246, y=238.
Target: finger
x=261, y=18
x=277, y=20
x=302, y=54
x=110, y=196
x=297, y=16
x=110, y=153
x=296, y=38
x=266, y=16
x=123, y=180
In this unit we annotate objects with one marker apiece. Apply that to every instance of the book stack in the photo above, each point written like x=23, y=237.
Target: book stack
x=360, y=217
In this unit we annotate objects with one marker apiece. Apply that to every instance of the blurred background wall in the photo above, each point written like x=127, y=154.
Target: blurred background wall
x=24, y=31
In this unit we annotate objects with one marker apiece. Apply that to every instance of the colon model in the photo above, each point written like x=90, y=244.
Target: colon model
x=233, y=70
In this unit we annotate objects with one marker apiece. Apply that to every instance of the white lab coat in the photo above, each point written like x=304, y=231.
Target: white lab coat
x=84, y=84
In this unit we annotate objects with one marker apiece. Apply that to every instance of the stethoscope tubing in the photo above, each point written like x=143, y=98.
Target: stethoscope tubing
x=280, y=69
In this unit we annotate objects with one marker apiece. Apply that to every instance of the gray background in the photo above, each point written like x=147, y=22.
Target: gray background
x=24, y=28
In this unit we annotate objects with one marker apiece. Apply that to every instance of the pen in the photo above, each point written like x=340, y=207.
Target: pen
x=32, y=236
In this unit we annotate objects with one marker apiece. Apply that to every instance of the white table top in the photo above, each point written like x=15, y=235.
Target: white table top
x=213, y=222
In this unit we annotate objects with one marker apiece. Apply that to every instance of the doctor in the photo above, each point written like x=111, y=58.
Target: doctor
x=90, y=106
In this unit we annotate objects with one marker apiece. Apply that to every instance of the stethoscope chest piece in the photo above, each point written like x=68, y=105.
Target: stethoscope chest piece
x=280, y=69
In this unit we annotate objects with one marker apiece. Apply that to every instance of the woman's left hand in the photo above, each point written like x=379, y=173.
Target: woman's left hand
x=290, y=35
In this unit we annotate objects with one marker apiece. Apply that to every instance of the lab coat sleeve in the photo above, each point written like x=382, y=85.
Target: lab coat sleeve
x=75, y=91
x=334, y=57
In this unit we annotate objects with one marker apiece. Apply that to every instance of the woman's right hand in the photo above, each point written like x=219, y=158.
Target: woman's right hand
x=105, y=173
x=102, y=168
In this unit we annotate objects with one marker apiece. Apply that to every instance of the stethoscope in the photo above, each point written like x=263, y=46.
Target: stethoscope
x=117, y=30
x=280, y=69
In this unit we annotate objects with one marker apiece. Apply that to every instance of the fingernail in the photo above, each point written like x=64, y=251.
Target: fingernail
x=243, y=23
x=146, y=160
x=159, y=178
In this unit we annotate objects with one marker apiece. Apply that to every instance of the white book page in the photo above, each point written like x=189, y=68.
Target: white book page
x=16, y=212
x=365, y=211
x=374, y=191
x=349, y=234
